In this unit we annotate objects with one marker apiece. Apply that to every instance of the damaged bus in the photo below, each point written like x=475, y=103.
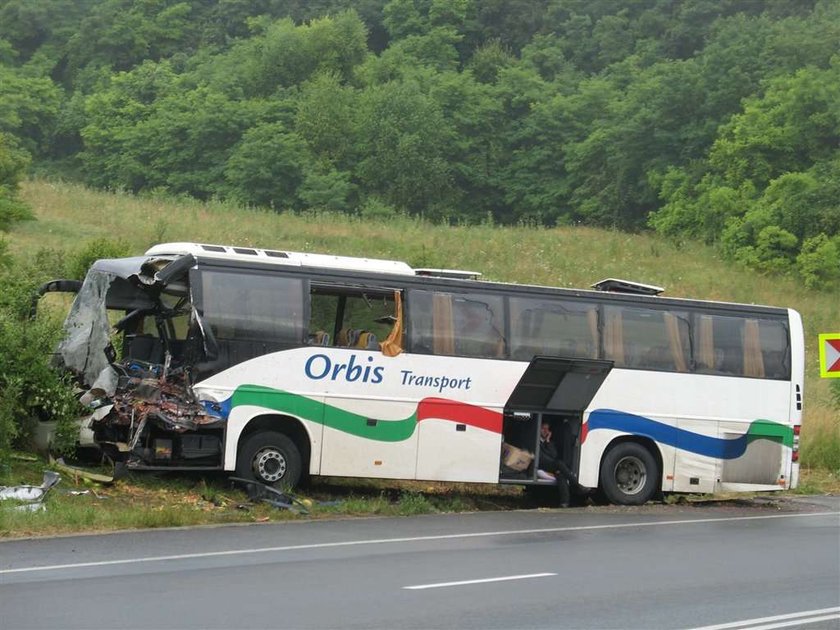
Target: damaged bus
x=278, y=365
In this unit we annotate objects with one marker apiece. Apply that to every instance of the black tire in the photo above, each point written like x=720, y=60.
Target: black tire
x=271, y=458
x=629, y=474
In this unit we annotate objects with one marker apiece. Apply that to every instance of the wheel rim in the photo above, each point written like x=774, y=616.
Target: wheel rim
x=630, y=474
x=269, y=464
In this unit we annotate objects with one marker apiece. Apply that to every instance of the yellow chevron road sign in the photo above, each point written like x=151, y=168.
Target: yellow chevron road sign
x=830, y=355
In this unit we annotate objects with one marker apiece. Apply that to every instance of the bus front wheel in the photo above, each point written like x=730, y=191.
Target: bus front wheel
x=629, y=474
x=271, y=458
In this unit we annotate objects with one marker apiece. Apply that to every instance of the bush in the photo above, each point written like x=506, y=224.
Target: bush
x=377, y=210
x=330, y=191
x=79, y=263
x=31, y=389
x=13, y=162
x=819, y=261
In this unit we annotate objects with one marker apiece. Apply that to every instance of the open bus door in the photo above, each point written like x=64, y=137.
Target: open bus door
x=554, y=391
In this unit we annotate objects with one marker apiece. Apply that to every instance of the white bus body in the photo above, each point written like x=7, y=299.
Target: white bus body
x=242, y=359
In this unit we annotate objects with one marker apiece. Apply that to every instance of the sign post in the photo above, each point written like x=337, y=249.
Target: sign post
x=830, y=355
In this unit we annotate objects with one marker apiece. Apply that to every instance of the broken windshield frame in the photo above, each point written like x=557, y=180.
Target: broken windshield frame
x=140, y=288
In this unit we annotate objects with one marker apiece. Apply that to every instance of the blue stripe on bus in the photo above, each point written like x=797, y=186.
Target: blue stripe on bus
x=720, y=448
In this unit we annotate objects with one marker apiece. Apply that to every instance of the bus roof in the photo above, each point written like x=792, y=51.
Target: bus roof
x=237, y=255
x=278, y=257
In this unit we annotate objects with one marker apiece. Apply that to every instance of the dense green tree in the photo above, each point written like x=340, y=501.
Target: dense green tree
x=475, y=144
x=120, y=34
x=770, y=184
x=29, y=107
x=402, y=136
x=326, y=119
x=110, y=118
x=267, y=166
x=283, y=54
x=13, y=162
x=795, y=124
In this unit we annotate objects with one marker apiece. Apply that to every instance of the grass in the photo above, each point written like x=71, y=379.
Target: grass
x=820, y=440
x=152, y=501
x=818, y=481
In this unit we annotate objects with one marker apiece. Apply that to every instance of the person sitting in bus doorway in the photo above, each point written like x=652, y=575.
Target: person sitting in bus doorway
x=549, y=460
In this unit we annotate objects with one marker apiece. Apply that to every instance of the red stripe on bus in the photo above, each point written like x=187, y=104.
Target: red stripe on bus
x=459, y=412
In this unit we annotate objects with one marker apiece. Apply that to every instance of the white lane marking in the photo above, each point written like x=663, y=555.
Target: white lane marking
x=420, y=587
x=779, y=621
x=794, y=622
x=380, y=541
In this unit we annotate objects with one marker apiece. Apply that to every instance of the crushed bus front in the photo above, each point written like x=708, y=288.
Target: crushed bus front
x=135, y=343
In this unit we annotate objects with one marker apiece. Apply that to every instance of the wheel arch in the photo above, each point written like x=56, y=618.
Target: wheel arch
x=288, y=425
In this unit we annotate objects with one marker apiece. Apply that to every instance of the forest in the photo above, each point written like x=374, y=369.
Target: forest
x=716, y=120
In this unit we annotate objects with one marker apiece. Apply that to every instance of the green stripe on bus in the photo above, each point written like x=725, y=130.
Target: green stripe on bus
x=332, y=417
x=769, y=430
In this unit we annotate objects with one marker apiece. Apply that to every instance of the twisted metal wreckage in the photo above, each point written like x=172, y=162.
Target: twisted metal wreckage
x=28, y=498
x=143, y=409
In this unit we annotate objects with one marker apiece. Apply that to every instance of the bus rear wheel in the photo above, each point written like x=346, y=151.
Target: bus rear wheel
x=629, y=474
x=271, y=458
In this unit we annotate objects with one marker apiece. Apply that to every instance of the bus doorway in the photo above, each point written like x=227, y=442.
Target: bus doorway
x=543, y=418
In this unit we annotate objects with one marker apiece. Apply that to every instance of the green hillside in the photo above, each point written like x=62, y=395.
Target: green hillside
x=69, y=216
x=714, y=120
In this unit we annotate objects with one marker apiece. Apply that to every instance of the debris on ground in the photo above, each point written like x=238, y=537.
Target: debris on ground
x=267, y=494
x=20, y=457
x=81, y=473
x=31, y=498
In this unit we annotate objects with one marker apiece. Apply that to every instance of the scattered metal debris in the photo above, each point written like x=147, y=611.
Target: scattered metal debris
x=32, y=497
x=267, y=494
x=81, y=473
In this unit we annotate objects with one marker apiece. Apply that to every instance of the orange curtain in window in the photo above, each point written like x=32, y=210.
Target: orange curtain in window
x=614, y=338
x=442, y=324
x=672, y=323
x=392, y=346
x=753, y=360
x=706, y=343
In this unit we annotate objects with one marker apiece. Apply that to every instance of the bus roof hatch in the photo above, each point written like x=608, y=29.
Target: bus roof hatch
x=617, y=285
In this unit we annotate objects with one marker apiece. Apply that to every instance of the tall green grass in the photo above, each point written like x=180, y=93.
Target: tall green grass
x=69, y=216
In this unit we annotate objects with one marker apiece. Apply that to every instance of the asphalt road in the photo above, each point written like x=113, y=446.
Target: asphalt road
x=652, y=567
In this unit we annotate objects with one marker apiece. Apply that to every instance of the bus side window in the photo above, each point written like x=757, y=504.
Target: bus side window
x=457, y=324
x=350, y=317
x=553, y=327
x=648, y=339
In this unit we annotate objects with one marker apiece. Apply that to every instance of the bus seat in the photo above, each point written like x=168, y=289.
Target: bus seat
x=319, y=338
x=348, y=337
x=367, y=341
x=341, y=337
